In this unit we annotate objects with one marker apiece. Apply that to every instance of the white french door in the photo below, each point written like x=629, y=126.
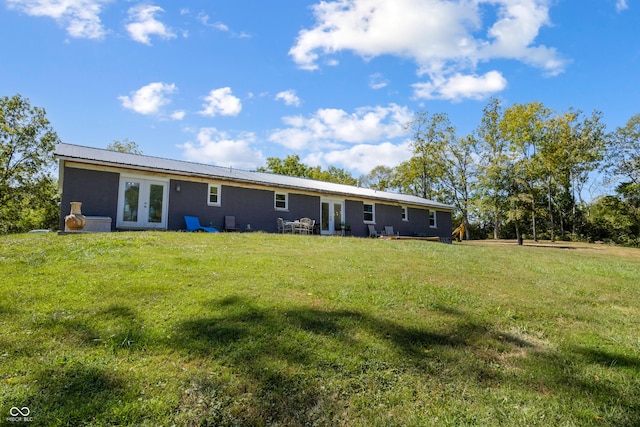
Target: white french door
x=142, y=203
x=332, y=215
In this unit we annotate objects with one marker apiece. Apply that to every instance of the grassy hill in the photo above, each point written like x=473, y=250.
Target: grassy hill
x=257, y=329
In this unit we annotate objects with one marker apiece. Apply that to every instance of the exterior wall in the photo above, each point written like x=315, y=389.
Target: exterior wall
x=249, y=206
x=445, y=224
x=354, y=216
x=300, y=206
x=98, y=192
x=385, y=215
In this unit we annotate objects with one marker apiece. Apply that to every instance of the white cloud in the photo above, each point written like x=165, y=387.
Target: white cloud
x=445, y=38
x=458, y=86
x=178, y=114
x=204, y=19
x=81, y=18
x=143, y=23
x=221, y=102
x=221, y=26
x=149, y=99
x=363, y=157
x=621, y=5
x=289, y=97
x=219, y=148
x=331, y=128
x=377, y=81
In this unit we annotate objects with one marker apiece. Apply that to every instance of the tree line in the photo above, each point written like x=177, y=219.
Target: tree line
x=521, y=172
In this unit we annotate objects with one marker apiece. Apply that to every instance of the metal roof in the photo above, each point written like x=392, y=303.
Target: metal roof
x=99, y=156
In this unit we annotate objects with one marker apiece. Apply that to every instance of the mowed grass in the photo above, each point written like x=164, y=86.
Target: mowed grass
x=260, y=329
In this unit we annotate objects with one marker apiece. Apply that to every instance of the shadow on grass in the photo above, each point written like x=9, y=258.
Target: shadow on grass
x=608, y=359
x=116, y=326
x=76, y=394
x=313, y=366
x=283, y=360
x=296, y=363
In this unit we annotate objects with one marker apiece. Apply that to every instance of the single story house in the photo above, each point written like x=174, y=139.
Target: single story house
x=138, y=192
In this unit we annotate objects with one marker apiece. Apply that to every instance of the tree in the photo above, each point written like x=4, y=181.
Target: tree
x=332, y=174
x=424, y=171
x=624, y=154
x=28, y=194
x=573, y=148
x=616, y=218
x=524, y=125
x=459, y=175
x=292, y=166
x=624, y=163
x=491, y=189
x=124, y=146
x=380, y=178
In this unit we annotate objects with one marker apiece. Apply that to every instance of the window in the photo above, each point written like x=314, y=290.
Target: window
x=281, y=201
x=213, y=195
x=433, y=223
x=369, y=213
x=405, y=213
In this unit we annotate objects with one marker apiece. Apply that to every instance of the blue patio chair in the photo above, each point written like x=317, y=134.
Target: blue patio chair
x=193, y=224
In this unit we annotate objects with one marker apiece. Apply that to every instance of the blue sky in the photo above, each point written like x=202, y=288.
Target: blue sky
x=232, y=82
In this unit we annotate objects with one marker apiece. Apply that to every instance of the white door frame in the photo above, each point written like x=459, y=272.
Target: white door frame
x=330, y=225
x=142, y=217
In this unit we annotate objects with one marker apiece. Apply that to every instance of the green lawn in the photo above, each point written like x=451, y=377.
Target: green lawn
x=258, y=329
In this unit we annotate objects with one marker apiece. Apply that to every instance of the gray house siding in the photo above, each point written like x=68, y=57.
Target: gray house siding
x=97, y=190
x=301, y=206
x=190, y=200
x=250, y=206
x=445, y=224
x=354, y=216
x=391, y=215
x=249, y=196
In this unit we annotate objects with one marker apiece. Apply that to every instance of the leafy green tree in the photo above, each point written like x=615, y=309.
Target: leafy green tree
x=292, y=166
x=423, y=173
x=459, y=176
x=573, y=148
x=624, y=153
x=124, y=146
x=623, y=163
x=332, y=174
x=492, y=187
x=380, y=178
x=524, y=126
x=408, y=177
x=616, y=218
x=28, y=193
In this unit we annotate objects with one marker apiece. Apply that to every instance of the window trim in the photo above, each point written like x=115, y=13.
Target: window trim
x=373, y=213
x=435, y=219
x=405, y=213
x=219, y=195
x=286, y=201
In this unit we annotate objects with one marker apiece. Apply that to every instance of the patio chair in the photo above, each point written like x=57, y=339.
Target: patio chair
x=193, y=224
x=372, y=231
x=305, y=226
x=284, y=227
x=230, y=223
x=388, y=230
